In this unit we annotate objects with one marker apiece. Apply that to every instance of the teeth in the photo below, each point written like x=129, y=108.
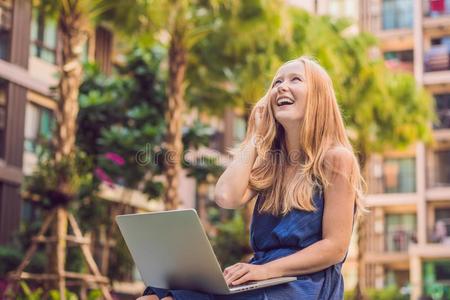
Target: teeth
x=283, y=101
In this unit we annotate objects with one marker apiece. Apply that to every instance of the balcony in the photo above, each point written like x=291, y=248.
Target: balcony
x=437, y=58
x=400, y=232
x=435, y=9
x=393, y=176
x=399, y=240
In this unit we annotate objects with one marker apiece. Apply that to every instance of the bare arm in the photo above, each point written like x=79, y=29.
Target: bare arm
x=232, y=188
x=336, y=227
x=336, y=233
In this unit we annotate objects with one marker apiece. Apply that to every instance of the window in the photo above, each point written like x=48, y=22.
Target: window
x=399, y=175
x=38, y=126
x=2, y=118
x=343, y=9
x=444, y=40
x=400, y=60
x=442, y=170
x=5, y=28
x=85, y=52
x=443, y=111
x=239, y=129
x=441, y=230
x=399, y=278
x=406, y=56
x=400, y=231
x=436, y=278
x=397, y=14
x=43, y=36
x=442, y=271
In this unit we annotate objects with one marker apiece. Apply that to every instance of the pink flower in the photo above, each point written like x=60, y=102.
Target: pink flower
x=115, y=158
x=101, y=174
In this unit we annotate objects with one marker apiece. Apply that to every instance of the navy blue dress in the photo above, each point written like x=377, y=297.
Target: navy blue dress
x=272, y=237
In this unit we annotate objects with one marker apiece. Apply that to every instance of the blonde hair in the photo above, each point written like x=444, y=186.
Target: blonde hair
x=322, y=129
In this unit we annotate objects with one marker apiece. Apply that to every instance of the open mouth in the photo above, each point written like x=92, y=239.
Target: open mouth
x=284, y=101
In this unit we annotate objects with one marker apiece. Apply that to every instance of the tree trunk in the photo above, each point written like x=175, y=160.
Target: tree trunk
x=71, y=24
x=202, y=189
x=177, y=72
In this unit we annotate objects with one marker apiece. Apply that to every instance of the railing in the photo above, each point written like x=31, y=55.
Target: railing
x=437, y=58
x=399, y=240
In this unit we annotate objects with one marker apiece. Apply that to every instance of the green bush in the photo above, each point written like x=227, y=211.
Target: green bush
x=388, y=293
x=29, y=294
x=231, y=243
x=11, y=257
x=349, y=295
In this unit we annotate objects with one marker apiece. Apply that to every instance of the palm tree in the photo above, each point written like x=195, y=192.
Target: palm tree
x=178, y=50
x=179, y=24
x=75, y=18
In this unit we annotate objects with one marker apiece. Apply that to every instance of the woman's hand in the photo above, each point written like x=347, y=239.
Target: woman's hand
x=241, y=272
x=260, y=109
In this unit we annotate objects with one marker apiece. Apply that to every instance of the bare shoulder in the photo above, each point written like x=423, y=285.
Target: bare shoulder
x=340, y=158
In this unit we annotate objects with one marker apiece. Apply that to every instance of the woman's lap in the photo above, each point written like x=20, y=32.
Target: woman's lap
x=283, y=291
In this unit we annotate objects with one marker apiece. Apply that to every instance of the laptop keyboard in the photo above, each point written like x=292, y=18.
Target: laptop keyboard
x=243, y=284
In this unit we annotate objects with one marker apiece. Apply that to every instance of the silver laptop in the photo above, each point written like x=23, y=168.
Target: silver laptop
x=171, y=250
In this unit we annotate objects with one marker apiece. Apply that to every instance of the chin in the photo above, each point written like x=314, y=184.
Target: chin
x=284, y=117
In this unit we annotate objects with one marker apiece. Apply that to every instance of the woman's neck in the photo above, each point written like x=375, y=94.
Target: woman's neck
x=293, y=147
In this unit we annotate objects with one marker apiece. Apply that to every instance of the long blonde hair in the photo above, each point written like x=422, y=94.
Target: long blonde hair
x=321, y=130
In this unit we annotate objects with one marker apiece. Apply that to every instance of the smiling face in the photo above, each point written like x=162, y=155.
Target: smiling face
x=288, y=93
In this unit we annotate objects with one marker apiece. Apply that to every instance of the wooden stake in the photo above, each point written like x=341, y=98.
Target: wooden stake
x=61, y=233
x=88, y=256
x=63, y=219
x=27, y=258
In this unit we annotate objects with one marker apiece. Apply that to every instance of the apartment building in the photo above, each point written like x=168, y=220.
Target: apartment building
x=408, y=231
x=28, y=65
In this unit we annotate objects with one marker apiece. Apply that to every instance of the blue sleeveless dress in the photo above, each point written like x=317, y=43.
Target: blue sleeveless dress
x=272, y=237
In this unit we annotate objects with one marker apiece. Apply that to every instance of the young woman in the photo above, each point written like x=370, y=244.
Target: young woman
x=298, y=161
